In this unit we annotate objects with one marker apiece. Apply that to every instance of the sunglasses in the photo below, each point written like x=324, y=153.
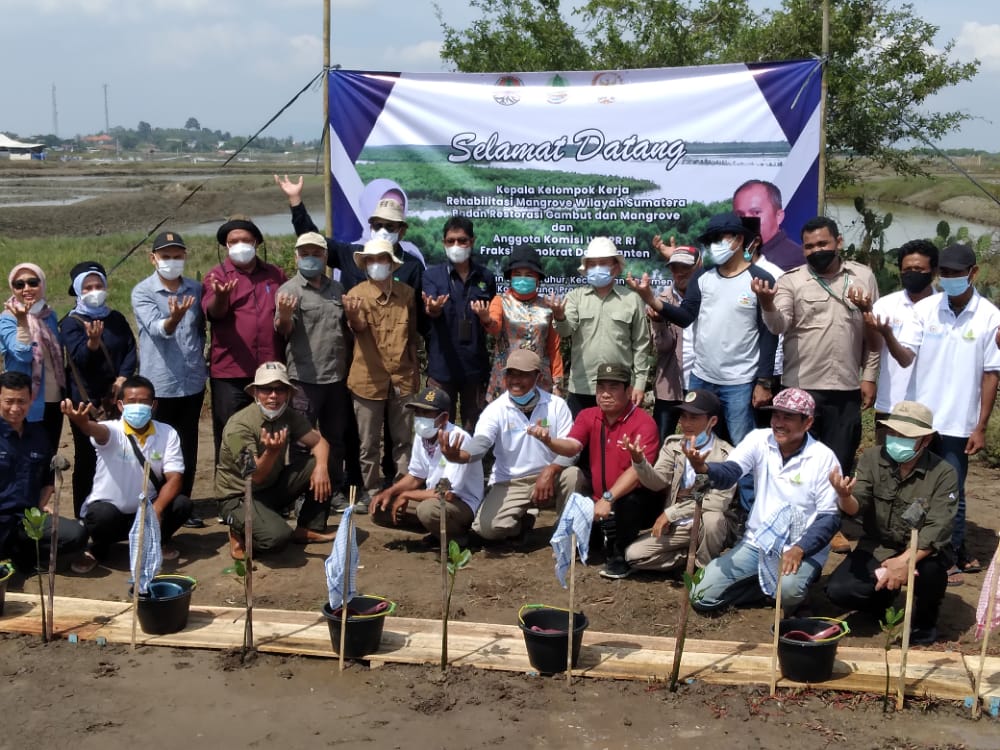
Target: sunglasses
x=378, y=226
x=34, y=283
x=271, y=388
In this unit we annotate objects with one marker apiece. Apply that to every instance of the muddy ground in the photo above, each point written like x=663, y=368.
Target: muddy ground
x=88, y=696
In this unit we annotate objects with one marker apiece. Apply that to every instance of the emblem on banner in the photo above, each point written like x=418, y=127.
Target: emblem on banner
x=507, y=93
x=608, y=78
x=558, y=92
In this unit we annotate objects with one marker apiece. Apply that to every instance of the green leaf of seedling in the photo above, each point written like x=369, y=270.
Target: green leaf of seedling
x=464, y=558
x=453, y=550
x=34, y=523
x=451, y=569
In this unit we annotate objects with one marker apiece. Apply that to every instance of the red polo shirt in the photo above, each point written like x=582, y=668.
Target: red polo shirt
x=587, y=431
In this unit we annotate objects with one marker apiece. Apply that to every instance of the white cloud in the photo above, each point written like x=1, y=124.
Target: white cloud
x=420, y=54
x=982, y=41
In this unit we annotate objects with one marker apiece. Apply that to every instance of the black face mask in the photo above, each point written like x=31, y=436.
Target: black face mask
x=916, y=281
x=820, y=260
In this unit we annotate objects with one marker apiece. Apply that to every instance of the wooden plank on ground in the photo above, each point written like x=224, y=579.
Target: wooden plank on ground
x=491, y=646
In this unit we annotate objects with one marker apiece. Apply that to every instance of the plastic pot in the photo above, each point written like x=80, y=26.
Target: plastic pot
x=808, y=661
x=364, y=631
x=165, y=609
x=544, y=631
x=6, y=571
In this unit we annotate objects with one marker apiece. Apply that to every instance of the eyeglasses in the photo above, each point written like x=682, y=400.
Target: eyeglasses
x=270, y=388
x=378, y=226
x=34, y=283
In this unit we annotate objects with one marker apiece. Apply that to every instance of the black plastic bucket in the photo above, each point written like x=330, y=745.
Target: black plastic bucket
x=364, y=631
x=165, y=609
x=6, y=571
x=808, y=661
x=544, y=630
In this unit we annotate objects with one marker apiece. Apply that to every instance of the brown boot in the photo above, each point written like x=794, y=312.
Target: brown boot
x=236, y=550
x=302, y=535
x=840, y=544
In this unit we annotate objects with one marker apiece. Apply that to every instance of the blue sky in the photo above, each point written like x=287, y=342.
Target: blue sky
x=233, y=63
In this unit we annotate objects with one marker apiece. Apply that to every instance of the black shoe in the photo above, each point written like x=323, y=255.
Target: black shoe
x=193, y=522
x=527, y=524
x=616, y=568
x=923, y=636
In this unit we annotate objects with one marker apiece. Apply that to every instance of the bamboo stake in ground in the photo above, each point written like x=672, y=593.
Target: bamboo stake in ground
x=248, y=554
x=137, y=569
x=991, y=604
x=911, y=570
x=675, y=671
x=442, y=489
x=347, y=579
x=777, y=635
x=59, y=465
x=569, y=627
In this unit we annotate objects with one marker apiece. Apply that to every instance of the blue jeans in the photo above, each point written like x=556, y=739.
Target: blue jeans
x=737, y=417
x=731, y=581
x=952, y=450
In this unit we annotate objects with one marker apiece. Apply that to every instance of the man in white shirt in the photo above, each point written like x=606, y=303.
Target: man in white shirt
x=412, y=500
x=123, y=447
x=956, y=372
x=526, y=474
x=792, y=520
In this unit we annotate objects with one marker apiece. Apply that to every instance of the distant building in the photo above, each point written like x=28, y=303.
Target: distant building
x=11, y=149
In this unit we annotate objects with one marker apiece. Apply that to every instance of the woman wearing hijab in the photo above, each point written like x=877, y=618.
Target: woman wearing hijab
x=100, y=354
x=520, y=319
x=29, y=340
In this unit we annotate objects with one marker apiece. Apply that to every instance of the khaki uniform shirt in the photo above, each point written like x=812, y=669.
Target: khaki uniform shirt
x=884, y=497
x=609, y=330
x=316, y=350
x=243, y=430
x=385, y=353
x=826, y=346
x=668, y=473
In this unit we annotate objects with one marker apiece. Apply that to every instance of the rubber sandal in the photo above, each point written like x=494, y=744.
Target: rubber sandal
x=955, y=577
x=971, y=566
x=84, y=565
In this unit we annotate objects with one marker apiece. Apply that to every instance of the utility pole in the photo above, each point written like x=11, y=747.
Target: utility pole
x=55, y=113
x=107, y=122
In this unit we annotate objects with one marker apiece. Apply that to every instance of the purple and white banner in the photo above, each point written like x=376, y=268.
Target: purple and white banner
x=550, y=160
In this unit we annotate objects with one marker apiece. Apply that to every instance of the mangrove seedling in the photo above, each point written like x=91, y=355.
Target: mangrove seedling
x=890, y=627
x=34, y=527
x=238, y=570
x=458, y=558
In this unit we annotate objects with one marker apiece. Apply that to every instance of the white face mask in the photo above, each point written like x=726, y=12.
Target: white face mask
x=379, y=271
x=721, y=251
x=242, y=252
x=171, y=269
x=385, y=234
x=424, y=427
x=95, y=298
x=271, y=414
x=457, y=253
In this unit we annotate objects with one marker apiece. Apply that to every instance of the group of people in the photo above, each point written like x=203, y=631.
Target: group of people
x=761, y=351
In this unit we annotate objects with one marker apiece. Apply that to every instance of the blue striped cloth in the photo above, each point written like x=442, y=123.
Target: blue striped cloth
x=335, y=573
x=152, y=552
x=577, y=517
x=785, y=525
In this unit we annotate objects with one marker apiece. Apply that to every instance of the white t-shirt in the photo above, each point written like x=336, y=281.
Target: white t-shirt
x=893, y=380
x=727, y=339
x=803, y=481
x=118, y=479
x=466, y=479
x=952, y=352
x=517, y=453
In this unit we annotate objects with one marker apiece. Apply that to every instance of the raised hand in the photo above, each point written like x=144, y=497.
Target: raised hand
x=273, y=442
x=353, y=308
x=878, y=324
x=16, y=309
x=482, y=310
x=860, y=298
x=291, y=189
x=641, y=287
x=79, y=414
x=664, y=249
x=539, y=432
x=843, y=486
x=178, y=306
x=451, y=446
x=435, y=305
x=286, y=304
x=557, y=304
x=223, y=288
x=634, y=448
x=94, y=331
x=695, y=457
x=765, y=292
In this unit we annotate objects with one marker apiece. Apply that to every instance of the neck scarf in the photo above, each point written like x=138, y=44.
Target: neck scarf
x=46, y=341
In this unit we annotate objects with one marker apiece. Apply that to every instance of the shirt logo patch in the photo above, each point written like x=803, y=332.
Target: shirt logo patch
x=746, y=300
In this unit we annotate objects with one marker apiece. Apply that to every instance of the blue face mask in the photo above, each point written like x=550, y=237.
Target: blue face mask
x=701, y=439
x=954, y=287
x=311, y=266
x=137, y=416
x=524, y=284
x=599, y=276
x=900, y=449
x=525, y=399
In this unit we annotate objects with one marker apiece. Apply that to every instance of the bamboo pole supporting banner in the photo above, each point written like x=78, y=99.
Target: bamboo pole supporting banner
x=327, y=168
x=821, y=188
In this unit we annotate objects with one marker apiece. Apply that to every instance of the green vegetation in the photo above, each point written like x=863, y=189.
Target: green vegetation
x=34, y=527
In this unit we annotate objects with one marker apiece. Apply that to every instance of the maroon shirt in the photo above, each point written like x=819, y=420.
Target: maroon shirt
x=244, y=337
x=586, y=430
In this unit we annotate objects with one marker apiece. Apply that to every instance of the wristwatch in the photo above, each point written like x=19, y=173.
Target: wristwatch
x=608, y=496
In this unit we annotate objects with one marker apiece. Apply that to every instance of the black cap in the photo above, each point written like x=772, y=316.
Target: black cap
x=238, y=222
x=957, y=257
x=431, y=399
x=699, y=402
x=614, y=372
x=727, y=223
x=88, y=266
x=168, y=239
x=525, y=257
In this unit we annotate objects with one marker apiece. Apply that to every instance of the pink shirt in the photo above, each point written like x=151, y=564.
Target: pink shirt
x=244, y=337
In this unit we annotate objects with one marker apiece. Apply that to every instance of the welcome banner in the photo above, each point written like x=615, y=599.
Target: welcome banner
x=550, y=160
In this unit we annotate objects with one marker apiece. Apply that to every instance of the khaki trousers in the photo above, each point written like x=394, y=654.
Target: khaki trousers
x=669, y=551
x=506, y=503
